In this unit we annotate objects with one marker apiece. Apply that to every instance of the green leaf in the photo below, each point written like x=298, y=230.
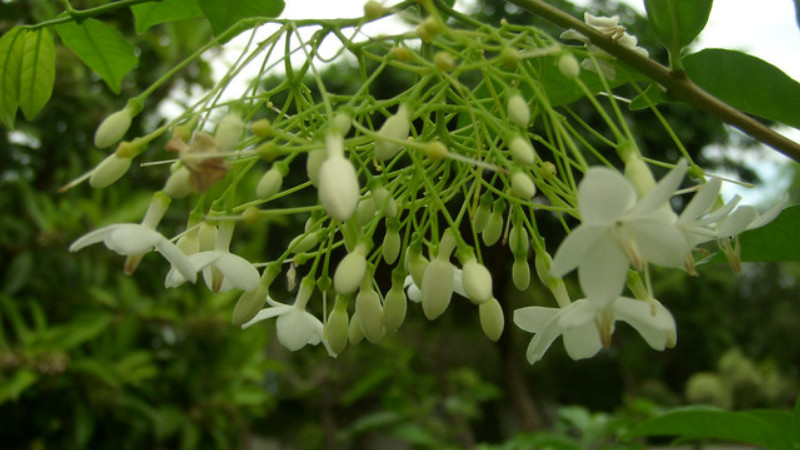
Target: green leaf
x=102, y=48
x=775, y=241
x=37, y=72
x=11, y=48
x=223, y=15
x=796, y=422
x=653, y=95
x=677, y=22
x=148, y=14
x=746, y=83
x=11, y=388
x=700, y=422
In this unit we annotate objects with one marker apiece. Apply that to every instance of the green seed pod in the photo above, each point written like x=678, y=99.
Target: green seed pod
x=370, y=314
x=394, y=307
x=269, y=184
x=518, y=111
x=522, y=151
x=113, y=128
x=494, y=227
x=569, y=66
x=337, y=327
x=492, y=320
x=477, y=281
x=349, y=273
x=354, y=332
x=229, y=132
x=109, y=170
x=396, y=128
x=437, y=288
x=522, y=186
x=391, y=244
x=521, y=273
x=261, y=128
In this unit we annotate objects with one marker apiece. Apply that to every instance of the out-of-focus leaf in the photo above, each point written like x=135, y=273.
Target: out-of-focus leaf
x=250, y=395
x=148, y=14
x=97, y=369
x=84, y=425
x=11, y=313
x=746, y=83
x=18, y=273
x=701, y=422
x=169, y=421
x=365, y=385
x=11, y=47
x=415, y=435
x=190, y=436
x=653, y=95
x=12, y=387
x=677, y=22
x=775, y=241
x=37, y=72
x=79, y=330
x=101, y=47
x=223, y=15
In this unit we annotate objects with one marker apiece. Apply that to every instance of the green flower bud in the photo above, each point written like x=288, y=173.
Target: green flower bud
x=477, y=281
x=518, y=240
x=374, y=10
x=269, y=184
x=522, y=151
x=394, y=306
x=248, y=305
x=207, y=236
x=354, y=333
x=522, y=186
x=396, y=128
x=391, y=245
x=482, y=213
x=261, y=128
x=113, y=128
x=384, y=202
x=707, y=387
x=430, y=27
x=437, y=282
x=229, y=132
x=569, y=66
x=509, y=57
x=305, y=242
x=518, y=111
x=370, y=314
x=349, y=273
x=342, y=122
x=109, y=170
x=314, y=164
x=444, y=61
x=177, y=185
x=337, y=327
x=268, y=152
x=521, y=273
x=365, y=211
x=640, y=176
x=492, y=320
x=416, y=264
x=494, y=226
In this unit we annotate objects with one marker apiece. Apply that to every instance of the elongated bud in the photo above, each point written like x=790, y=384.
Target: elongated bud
x=492, y=319
x=521, y=273
x=522, y=151
x=305, y=242
x=350, y=272
x=435, y=151
x=338, y=181
x=207, y=236
x=391, y=242
x=482, y=213
x=261, y=128
x=113, y=128
x=569, y=66
x=430, y=27
x=229, y=132
x=370, y=313
x=522, y=186
x=640, y=176
x=494, y=226
x=365, y=212
x=477, y=281
x=384, y=202
x=395, y=306
x=270, y=183
x=518, y=111
x=438, y=282
x=518, y=241
x=250, y=302
x=354, y=332
x=416, y=264
x=337, y=327
x=177, y=185
x=109, y=170
x=396, y=128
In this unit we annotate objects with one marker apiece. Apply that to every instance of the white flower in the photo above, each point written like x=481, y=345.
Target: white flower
x=415, y=294
x=134, y=239
x=222, y=270
x=587, y=325
x=296, y=327
x=609, y=27
x=618, y=230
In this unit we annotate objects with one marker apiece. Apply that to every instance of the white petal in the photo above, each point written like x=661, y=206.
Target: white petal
x=178, y=260
x=603, y=196
x=202, y=260
x=267, y=313
x=603, y=270
x=543, y=339
x=93, y=237
x=582, y=342
x=769, y=215
x=580, y=313
x=577, y=243
x=656, y=329
x=238, y=271
x=661, y=194
x=738, y=221
x=132, y=239
x=661, y=243
x=533, y=318
x=703, y=200
x=414, y=294
x=296, y=328
x=720, y=213
x=458, y=284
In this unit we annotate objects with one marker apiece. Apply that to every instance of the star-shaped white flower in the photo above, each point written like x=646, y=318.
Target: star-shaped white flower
x=587, y=325
x=609, y=27
x=618, y=230
x=133, y=239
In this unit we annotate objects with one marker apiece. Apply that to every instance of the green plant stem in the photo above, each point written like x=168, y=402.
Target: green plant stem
x=79, y=16
x=677, y=83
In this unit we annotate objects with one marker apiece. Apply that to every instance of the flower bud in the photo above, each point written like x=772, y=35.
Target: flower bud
x=518, y=240
x=349, y=273
x=113, y=128
x=444, y=61
x=522, y=151
x=396, y=128
x=370, y=314
x=477, y=281
x=401, y=54
x=430, y=27
x=522, y=186
x=354, y=332
x=374, y=10
x=384, y=202
x=337, y=327
x=391, y=244
x=518, y=111
x=492, y=320
x=207, y=236
x=248, y=305
x=435, y=151
x=338, y=187
x=494, y=226
x=394, y=307
x=482, y=213
x=416, y=264
x=521, y=273
x=177, y=185
x=268, y=151
x=269, y=184
x=365, y=211
x=305, y=241
x=229, y=132
x=342, y=122
x=569, y=66
x=640, y=176
x=109, y=170
x=509, y=57
x=260, y=128
x=437, y=288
